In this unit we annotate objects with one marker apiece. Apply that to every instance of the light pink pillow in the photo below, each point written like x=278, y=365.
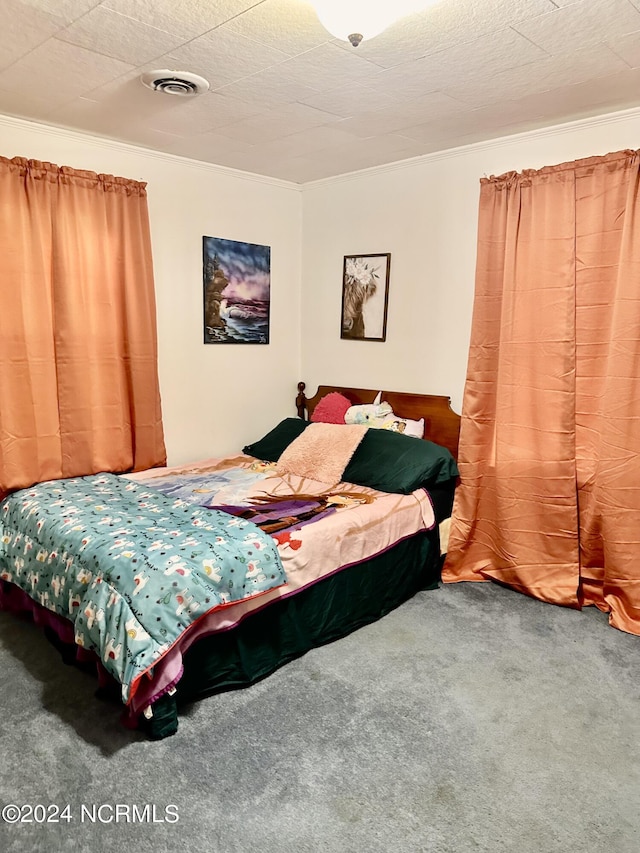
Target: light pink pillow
x=331, y=409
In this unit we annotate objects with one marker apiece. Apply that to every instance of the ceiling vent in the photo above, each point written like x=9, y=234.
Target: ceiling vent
x=181, y=83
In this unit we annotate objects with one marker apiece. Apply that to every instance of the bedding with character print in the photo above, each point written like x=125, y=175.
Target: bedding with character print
x=130, y=567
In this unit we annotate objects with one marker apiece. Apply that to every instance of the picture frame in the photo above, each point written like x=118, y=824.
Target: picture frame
x=236, y=284
x=365, y=296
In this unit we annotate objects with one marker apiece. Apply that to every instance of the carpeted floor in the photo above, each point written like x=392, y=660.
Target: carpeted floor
x=470, y=719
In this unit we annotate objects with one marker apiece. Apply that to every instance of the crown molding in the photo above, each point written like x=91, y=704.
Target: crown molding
x=107, y=143
x=632, y=114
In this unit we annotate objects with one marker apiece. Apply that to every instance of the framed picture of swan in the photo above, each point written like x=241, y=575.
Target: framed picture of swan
x=236, y=281
x=365, y=294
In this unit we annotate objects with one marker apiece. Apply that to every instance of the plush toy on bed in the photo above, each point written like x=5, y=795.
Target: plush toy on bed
x=369, y=414
x=380, y=416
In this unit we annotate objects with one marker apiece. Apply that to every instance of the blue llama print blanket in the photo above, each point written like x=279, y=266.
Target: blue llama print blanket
x=132, y=568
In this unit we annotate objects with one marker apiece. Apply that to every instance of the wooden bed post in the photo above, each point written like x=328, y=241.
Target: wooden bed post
x=301, y=401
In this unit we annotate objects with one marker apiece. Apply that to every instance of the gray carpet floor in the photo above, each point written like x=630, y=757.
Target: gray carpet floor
x=470, y=719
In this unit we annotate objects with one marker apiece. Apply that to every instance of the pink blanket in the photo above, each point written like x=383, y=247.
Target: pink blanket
x=321, y=452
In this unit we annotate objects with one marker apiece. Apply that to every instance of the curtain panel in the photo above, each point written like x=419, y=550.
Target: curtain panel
x=79, y=390
x=549, y=499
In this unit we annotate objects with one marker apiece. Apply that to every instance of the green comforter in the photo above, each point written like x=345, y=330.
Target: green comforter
x=130, y=567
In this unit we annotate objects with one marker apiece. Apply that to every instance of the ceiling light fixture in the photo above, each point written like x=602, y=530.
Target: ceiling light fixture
x=355, y=20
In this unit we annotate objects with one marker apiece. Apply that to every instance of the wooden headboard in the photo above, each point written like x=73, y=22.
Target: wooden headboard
x=441, y=423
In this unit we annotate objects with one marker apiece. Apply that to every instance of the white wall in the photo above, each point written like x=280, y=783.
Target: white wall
x=215, y=398
x=424, y=212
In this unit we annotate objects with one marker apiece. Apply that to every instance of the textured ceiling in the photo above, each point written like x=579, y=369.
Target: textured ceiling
x=289, y=101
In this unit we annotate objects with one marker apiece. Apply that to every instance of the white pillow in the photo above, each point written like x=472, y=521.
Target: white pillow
x=405, y=426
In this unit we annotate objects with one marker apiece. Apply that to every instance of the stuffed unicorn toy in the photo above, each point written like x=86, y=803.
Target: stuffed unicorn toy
x=380, y=416
x=374, y=414
x=369, y=414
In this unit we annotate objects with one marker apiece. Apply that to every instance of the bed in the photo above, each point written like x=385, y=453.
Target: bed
x=189, y=580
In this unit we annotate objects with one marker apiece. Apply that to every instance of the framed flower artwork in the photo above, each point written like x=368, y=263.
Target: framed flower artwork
x=365, y=294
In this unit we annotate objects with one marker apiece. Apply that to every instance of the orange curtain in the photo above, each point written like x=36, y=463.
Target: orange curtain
x=549, y=499
x=79, y=388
